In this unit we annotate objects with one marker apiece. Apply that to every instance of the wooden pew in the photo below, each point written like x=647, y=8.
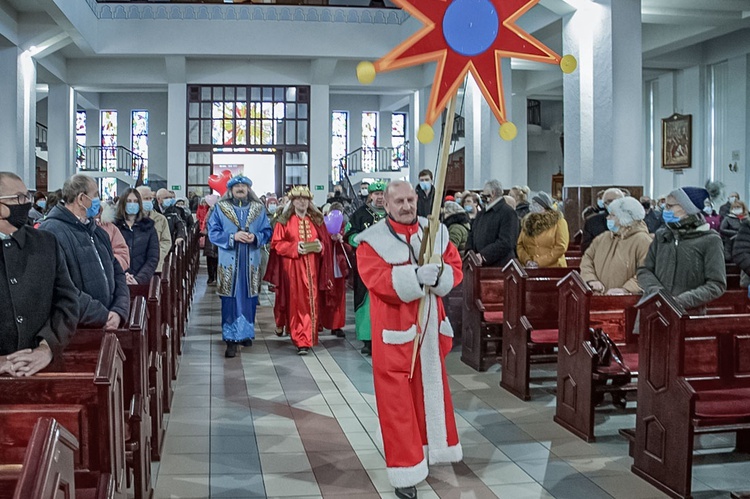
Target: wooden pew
x=483, y=296
x=88, y=402
x=170, y=347
x=530, y=317
x=694, y=379
x=580, y=381
x=133, y=339
x=156, y=361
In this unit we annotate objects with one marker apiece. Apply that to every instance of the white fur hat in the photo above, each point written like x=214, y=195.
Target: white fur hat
x=628, y=210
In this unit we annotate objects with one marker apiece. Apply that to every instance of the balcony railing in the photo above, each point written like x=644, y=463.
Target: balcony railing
x=375, y=160
x=41, y=136
x=113, y=159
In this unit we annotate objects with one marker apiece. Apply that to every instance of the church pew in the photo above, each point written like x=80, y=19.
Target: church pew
x=694, y=379
x=48, y=468
x=156, y=360
x=482, y=313
x=133, y=338
x=87, y=401
x=530, y=316
x=167, y=318
x=178, y=283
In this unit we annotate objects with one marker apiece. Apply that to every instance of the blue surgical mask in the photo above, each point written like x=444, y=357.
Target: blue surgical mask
x=272, y=208
x=132, y=208
x=425, y=185
x=468, y=208
x=148, y=206
x=93, y=210
x=611, y=226
x=600, y=204
x=169, y=202
x=669, y=217
x=708, y=210
x=41, y=203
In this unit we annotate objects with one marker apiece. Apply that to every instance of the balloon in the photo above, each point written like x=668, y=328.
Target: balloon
x=334, y=220
x=508, y=131
x=366, y=72
x=219, y=182
x=426, y=134
x=211, y=199
x=568, y=64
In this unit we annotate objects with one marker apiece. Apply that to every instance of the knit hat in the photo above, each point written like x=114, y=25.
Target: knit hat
x=627, y=210
x=544, y=200
x=690, y=198
x=451, y=208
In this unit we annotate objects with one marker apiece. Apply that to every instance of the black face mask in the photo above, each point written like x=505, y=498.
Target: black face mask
x=19, y=214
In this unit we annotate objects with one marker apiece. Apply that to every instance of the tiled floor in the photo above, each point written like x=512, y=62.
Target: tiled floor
x=271, y=424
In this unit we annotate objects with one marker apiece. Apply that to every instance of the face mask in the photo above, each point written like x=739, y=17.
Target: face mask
x=93, y=210
x=646, y=206
x=132, y=208
x=669, y=217
x=272, y=208
x=363, y=192
x=600, y=204
x=708, y=210
x=41, y=203
x=425, y=185
x=662, y=205
x=485, y=198
x=469, y=208
x=169, y=202
x=737, y=211
x=148, y=206
x=732, y=199
x=19, y=214
x=611, y=226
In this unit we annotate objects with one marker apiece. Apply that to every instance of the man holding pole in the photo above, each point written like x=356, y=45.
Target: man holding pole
x=410, y=337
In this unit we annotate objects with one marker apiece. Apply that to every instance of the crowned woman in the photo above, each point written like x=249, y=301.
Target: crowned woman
x=239, y=227
x=300, y=239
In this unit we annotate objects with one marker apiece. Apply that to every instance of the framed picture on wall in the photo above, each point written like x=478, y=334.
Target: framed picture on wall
x=677, y=141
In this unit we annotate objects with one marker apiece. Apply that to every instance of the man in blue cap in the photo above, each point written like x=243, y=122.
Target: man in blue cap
x=239, y=227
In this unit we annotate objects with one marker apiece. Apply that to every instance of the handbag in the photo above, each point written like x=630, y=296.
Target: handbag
x=606, y=349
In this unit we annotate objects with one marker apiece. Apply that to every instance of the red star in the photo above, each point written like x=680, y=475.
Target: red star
x=429, y=44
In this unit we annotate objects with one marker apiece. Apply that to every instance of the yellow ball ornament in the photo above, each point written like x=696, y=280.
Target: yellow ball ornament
x=568, y=64
x=366, y=72
x=426, y=134
x=508, y=131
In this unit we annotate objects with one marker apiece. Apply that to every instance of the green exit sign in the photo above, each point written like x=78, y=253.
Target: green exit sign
x=176, y=187
x=320, y=187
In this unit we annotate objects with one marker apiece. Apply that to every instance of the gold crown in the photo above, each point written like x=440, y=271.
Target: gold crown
x=300, y=191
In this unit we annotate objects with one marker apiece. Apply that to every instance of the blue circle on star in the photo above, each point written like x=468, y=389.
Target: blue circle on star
x=470, y=26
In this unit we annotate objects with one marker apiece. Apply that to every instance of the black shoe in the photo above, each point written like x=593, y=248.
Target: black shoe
x=302, y=350
x=247, y=343
x=339, y=333
x=231, y=350
x=620, y=399
x=406, y=492
x=367, y=349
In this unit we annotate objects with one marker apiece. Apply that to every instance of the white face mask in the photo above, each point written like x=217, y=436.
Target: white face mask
x=732, y=199
x=363, y=192
x=737, y=211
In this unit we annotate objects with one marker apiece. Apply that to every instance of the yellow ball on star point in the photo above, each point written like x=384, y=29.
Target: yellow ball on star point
x=568, y=64
x=508, y=131
x=426, y=133
x=366, y=72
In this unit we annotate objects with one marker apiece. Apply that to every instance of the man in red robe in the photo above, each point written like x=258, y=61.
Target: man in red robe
x=416, y=416
x=300, y=238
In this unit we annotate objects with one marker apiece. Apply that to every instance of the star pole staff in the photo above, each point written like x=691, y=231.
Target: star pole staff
x=427, y=250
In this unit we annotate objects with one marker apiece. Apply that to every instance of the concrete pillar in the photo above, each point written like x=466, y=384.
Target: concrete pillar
x=61, y=136
x=603, y=98
x=424, y=156
x=177, y=138
x=18, y=116
x=320, y=142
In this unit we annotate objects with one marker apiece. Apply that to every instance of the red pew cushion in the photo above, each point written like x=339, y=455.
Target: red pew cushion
x=729, y=404
x=493, y=317
x=544, y=336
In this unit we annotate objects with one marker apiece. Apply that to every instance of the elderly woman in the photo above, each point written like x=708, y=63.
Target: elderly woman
x=610, y=264
x=458, y=224
x=730, y=226
x=521, y=194
x=544, y=234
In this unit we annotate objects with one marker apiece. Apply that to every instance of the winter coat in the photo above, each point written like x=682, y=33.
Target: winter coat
x=544, y=239
x=713, y=220
x=39, y=300
x=613, y=258
x=143, y=244
x=92, y=265
x=458, y=230
x=688, y=263
x=424, y=201
x=494, y=234
x=730, y=226
x=741, y=249
x=119, y=246
x=594, y=225
x=175, y=222
x=165, y=237
x=654, y=221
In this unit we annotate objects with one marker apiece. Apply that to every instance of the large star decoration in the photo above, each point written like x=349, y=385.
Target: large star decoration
x=465, y=36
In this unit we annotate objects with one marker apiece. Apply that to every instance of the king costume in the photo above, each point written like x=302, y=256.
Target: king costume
x=416, y=417
x=238, y=275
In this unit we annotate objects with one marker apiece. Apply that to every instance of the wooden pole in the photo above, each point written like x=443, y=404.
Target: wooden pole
x=433, y=225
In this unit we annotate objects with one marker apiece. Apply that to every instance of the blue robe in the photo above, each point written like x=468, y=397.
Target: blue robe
x=238, y=275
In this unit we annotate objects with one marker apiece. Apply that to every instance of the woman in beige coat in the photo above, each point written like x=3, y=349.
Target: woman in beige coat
x=544, y=235
x=609, y=265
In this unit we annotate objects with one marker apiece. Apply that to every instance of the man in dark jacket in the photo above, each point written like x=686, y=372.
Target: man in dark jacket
x=597, y=224
x=425, y=194
x=104, y=295
x=495, y=231
x=165, y=205
x=653, y=218
x=40, y=303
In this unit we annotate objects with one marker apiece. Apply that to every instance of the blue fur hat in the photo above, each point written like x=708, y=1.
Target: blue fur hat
x=239, y=179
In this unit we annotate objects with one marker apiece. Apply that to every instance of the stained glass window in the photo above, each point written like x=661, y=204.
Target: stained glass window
x=80, y=140
x=139, y=137
x=369, y=140
x=339, y=142
x=108, y=161
x=398, y=140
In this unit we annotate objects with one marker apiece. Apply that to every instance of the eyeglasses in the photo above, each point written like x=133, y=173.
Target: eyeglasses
x=20, y=198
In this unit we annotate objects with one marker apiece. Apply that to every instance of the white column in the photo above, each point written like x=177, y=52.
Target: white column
x=18, y=116
x=177, y=137
x=424, y=156
x=320, y=142
x=520, y=171
x=61, y=136
x=499, y=162
x=603, y=98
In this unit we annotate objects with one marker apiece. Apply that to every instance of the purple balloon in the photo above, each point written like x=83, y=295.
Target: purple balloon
x=334, y=220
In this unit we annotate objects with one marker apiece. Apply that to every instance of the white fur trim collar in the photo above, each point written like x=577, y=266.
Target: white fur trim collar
x=395, y=252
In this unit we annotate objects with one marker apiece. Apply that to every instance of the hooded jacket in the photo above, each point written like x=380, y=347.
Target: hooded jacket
x=92, y=265
x=458, y=230
x=143, y=244
x=613, y=258
x=544, y=239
